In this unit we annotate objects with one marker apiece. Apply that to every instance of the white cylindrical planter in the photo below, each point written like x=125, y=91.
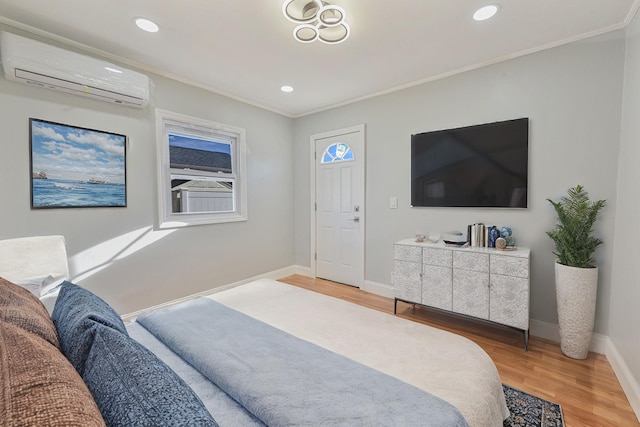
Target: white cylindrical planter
x=576, y=290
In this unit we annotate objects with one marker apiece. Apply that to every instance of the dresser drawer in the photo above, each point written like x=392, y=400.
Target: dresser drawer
x=510, y=266
x=471, y=261
x=407, y=253
x=439, y=257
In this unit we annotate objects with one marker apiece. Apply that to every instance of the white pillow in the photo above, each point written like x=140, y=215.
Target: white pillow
x=41, y=286
x=50, y=284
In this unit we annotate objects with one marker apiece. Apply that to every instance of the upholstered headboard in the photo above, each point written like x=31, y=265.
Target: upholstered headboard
x=37, y=256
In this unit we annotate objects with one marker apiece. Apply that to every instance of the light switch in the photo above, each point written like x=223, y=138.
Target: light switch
x=393, y=202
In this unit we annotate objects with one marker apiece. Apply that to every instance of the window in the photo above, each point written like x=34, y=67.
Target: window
x=201, y=171
x=339, y=152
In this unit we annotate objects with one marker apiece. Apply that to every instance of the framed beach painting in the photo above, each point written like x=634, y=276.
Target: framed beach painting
x=75, y=167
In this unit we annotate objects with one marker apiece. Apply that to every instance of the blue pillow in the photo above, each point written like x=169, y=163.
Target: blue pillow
x=132, y=387
x=75, y=313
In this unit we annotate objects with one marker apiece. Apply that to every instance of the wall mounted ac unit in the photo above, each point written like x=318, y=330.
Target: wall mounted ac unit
x=29, y=61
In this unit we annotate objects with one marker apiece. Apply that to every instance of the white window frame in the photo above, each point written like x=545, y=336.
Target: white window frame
x=167, y=121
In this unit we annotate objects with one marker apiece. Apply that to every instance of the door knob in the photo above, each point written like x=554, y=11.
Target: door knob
x=355, y=219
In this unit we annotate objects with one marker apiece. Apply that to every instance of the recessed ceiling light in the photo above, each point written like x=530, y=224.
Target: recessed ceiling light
x=486, y=12
x=146, y=25
x=113, y=70
x=286, y=89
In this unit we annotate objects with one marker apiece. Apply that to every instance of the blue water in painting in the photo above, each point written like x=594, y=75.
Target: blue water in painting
x=61, y=194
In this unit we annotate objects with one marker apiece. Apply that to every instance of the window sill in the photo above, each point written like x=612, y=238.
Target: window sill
x=179, y=221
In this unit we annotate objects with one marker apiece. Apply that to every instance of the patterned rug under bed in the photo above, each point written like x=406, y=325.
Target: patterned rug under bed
x=531, y=411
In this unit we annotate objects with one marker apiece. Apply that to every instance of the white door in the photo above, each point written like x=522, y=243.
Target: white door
x=339, y=177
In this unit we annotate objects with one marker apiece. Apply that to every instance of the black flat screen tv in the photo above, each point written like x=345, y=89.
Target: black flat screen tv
x=475, y=166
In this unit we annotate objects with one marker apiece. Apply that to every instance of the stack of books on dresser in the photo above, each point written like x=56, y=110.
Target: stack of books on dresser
x=481, y=235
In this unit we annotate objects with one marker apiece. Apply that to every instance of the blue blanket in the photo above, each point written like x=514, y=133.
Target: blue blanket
x=286, y=381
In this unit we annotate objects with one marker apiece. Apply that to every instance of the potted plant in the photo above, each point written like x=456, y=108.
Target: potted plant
x=575, y=270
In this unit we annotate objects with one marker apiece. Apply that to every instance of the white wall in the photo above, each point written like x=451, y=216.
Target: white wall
x=114, y=251
x=572, y=95
x=625, y=292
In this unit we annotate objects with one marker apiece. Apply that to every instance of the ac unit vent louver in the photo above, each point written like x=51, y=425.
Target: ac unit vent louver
x=39, y=64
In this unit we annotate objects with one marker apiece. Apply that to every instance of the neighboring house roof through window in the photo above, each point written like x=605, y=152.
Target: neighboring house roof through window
x=213, y=161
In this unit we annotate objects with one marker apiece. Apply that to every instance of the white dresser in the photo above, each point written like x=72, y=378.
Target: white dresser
x=482, y=283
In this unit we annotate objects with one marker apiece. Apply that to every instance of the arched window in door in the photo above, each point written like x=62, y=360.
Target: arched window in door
x=338, y=152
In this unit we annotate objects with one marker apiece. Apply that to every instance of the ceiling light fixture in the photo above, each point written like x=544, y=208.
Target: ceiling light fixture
x=317, y=20
x=146, y=25
x=286, y=89
x=486, y=12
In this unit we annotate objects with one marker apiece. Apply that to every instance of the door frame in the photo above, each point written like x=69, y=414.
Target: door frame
x=360, y=129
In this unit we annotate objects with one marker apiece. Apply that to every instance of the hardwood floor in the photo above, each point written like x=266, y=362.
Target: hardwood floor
x=588, y=390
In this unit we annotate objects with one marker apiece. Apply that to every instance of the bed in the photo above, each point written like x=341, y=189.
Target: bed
x=263, y=353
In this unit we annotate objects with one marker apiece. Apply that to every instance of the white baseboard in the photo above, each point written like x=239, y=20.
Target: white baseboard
x=629, y=384
x=275, y=274
x=601, y=344
x=551, y=331
x=301, y=270
x=379, y=288
x=368, y=286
